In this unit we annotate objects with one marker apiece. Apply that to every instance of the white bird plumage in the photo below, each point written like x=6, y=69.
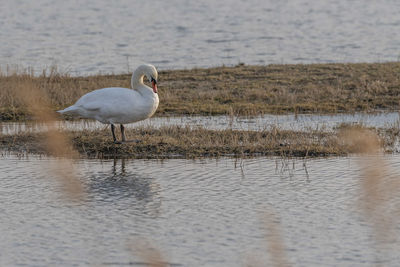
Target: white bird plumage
x=115, y=105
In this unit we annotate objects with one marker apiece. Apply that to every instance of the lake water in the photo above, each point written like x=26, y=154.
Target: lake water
x=211, y=212
x=84, y=37
x=299, y=122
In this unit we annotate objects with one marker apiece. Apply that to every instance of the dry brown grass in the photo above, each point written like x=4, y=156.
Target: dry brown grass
x=240, y=90
x=187, y=142
x=184, y=142
x=59, y=89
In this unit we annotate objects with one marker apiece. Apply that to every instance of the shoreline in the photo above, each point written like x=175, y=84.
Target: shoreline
x=241, y=90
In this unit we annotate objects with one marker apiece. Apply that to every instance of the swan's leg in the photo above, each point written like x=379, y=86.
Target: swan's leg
x=113, y=134
x=124, y=141
x=123, y=133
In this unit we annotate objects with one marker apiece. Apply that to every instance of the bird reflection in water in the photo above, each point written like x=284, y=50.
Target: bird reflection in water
x=133, y=191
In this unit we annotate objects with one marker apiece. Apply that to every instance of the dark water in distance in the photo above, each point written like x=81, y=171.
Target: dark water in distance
x=196, y=212
x=84, y=37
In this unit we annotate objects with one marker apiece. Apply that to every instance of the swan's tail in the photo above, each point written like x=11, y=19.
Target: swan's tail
x=72, y=110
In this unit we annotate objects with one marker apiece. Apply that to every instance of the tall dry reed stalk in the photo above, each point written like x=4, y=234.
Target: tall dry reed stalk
x=56, y=142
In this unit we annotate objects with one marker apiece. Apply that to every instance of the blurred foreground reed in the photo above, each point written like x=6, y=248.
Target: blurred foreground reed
x=274, y=243
x=54, y=142
x=149, y=254
x=379, y=185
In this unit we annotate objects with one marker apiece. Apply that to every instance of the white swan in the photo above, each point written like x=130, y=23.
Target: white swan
x=117, y=105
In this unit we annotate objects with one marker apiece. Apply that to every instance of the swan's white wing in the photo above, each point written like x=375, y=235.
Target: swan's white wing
x=92, y=101
x=101, y=98
x=109, y=105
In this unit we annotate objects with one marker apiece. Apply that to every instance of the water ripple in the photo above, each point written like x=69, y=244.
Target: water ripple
x=196, y=212
x=194, y=34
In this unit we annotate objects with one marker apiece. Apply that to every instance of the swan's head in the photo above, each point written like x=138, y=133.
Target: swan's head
x=151, y=74
x=145, y=70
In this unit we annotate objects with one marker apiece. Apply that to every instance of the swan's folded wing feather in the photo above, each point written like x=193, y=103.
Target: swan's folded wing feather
x=91, y=106
x=92, y=101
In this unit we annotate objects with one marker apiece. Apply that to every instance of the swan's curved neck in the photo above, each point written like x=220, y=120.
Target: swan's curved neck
x=137, y=79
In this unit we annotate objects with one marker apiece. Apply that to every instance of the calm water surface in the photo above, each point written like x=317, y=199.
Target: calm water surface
x=196, y=212
x=300, y=122
x=83, y=37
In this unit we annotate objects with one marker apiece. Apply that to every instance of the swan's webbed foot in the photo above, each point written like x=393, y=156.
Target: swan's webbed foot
x=123, y=141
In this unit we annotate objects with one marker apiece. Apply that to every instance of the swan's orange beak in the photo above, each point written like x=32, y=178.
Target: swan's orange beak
x=154, y=85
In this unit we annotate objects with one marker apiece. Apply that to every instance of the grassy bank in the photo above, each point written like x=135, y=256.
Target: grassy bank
x=183, y=142
x=240, y=90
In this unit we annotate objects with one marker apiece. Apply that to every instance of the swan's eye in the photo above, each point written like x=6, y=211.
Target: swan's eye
x=153, y=80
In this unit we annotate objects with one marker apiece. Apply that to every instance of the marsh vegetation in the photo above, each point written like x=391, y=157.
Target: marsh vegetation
x=237, y=91
x=187, y=142
x=241, y=90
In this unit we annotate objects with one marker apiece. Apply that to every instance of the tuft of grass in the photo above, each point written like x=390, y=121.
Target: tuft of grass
x=240, y=90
